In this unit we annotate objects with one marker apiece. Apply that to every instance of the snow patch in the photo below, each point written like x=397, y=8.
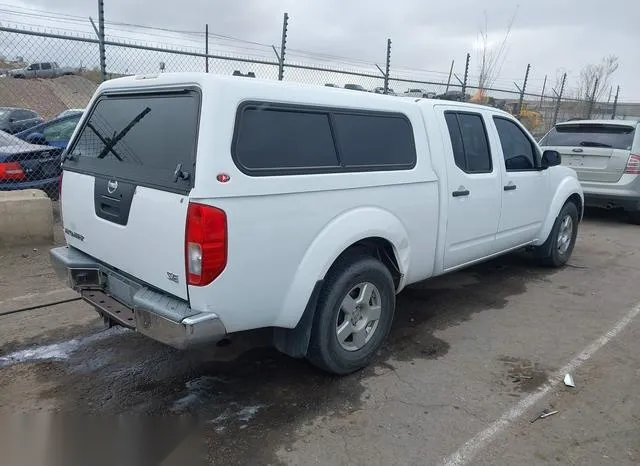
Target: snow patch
x=55, y=351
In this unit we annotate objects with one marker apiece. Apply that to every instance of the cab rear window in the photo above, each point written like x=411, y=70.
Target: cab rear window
x=147, y=139
x=591, y=135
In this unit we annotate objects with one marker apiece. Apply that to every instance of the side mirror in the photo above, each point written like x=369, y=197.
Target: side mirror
x=36, y=138
x=550, y=158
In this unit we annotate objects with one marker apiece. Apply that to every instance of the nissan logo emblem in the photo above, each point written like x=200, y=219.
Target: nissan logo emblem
x=112, y=185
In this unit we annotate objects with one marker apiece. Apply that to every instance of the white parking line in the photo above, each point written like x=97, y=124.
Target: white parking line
x=472, y=447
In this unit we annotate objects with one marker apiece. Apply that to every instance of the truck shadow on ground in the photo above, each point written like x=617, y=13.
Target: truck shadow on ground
x=249, y=397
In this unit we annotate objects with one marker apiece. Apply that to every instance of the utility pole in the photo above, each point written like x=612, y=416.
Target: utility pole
x=466, y=77
x=555, y=115
x=615, y=104
x=283, y=46
x=206, y=48
x=103, y=53
x=450, y=73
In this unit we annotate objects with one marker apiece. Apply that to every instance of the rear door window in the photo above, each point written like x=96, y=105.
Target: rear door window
x=147, y=139
x=591, y=135
x=469, y=142
x=46, y=66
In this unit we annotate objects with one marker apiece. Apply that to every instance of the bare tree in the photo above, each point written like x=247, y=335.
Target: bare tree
x=601, y=72
x=491, y=58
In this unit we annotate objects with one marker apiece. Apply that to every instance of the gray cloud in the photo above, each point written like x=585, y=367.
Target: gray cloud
x=549, y=34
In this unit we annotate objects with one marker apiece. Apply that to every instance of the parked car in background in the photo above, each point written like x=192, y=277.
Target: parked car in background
x=606, y=156
x=380, y=90
x=14, y=120
x=379, y=194
x=454, y=95
x=71, y=111
x=421, y=93
x=355, y=87
x=28, y=166
x=54, y=133
x=332, y=85
x=42, y=70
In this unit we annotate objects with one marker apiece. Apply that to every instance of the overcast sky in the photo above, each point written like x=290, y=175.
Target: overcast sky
x=552, y=35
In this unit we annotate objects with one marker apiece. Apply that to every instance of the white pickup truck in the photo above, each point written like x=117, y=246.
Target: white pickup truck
x=197, y=206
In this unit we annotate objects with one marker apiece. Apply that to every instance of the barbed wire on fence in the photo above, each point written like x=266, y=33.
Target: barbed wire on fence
x=76, y=63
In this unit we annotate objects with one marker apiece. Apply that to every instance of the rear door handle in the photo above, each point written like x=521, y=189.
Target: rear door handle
x=460, y=193
x=510, y=187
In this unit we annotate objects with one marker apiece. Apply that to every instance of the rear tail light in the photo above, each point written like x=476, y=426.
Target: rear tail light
x=11, y=171
x=205, y=244
x=633, y=165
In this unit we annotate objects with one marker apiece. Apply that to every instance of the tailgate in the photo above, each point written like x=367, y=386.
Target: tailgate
x=595, y=164
x=597, y=151
x=127, y=177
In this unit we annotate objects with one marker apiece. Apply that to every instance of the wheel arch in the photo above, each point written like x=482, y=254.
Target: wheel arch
x=370, y=231
x=568, y=189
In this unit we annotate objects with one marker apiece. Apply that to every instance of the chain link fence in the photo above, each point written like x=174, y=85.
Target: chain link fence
x=47, y=79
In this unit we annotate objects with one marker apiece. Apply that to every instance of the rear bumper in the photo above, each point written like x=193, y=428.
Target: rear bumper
x=610, y=201
x=624, y=194
x=159, y=316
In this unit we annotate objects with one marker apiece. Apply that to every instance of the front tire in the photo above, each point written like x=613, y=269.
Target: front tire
x=557, y=249
x=354, y=315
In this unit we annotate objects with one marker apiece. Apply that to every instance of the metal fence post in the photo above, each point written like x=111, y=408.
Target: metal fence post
x=387, y=67
x=206, y=48
x=101, y=39
x=466, y=77
x=524, y=88
x=555, y=114
x=615, y=104
x=449, y=79
x=592, y=99
x=283, y=46
x=544, y=86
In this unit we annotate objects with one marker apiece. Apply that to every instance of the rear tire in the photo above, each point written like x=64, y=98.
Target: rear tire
x=354, y=315
x=557, y=249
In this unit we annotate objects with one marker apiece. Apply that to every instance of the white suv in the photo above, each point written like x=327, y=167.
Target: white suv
x=196, y=206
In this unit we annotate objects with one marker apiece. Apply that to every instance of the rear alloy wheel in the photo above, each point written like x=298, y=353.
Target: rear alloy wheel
x=557, y=249
x=358, y=316
x=354, y=315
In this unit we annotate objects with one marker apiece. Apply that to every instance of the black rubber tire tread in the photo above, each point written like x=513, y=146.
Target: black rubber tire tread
x=547, y=254
x=324, y=350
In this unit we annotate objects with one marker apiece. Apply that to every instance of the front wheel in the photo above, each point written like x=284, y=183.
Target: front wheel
x=354, y=315
x=557, y=249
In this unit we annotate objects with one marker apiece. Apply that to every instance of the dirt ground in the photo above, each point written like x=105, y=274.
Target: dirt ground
x=472, y=358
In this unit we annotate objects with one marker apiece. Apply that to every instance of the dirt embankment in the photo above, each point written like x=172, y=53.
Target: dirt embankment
x=48, y=97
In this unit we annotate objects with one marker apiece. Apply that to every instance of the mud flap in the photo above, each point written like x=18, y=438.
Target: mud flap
x=294, y=341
